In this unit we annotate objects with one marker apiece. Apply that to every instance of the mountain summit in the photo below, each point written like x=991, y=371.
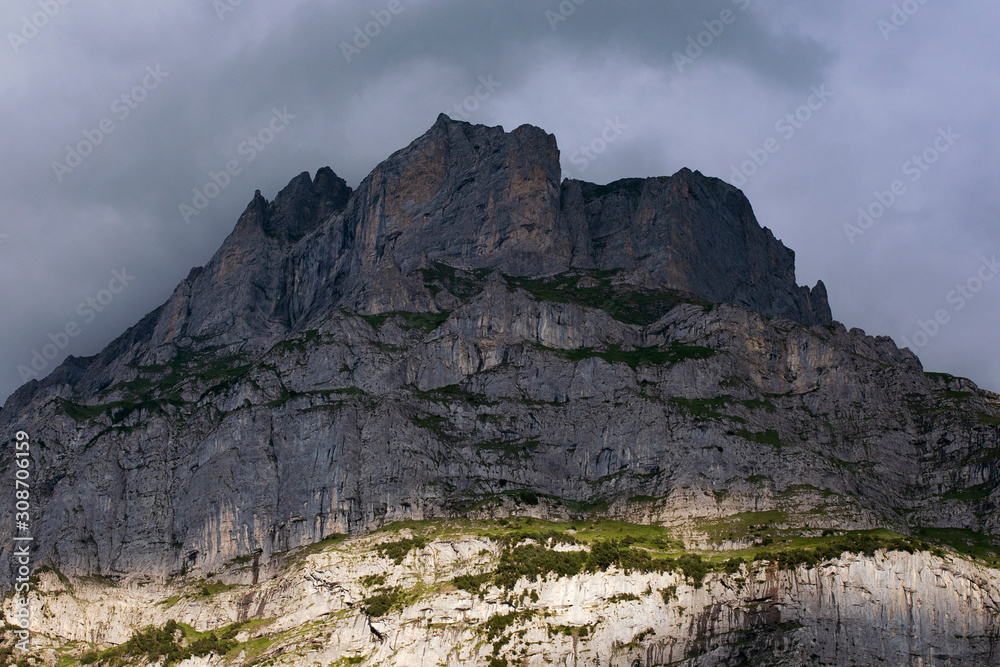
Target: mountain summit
x=474, y=198
x=467, y=335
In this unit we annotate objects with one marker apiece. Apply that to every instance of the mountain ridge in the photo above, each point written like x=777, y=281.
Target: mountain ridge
x=306, y=204
x=467, y=336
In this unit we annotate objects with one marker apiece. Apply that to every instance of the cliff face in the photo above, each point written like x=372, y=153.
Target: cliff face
x=889, y=608
x=466, y=335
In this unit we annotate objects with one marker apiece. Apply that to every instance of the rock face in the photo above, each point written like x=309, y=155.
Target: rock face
x=468, y=335
x=894, y=608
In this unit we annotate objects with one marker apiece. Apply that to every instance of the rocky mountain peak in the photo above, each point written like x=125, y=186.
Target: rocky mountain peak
x=467, y=195
x=478, y=197
x=305, y=203
x=469, y=336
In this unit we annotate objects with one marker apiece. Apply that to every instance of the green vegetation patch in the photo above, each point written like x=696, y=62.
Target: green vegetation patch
x=171, y=643
x=453, y=393
x=957, y=395
x=708, y=409
x=629, y=304
x=434, y=423
x=533, y=562
x=966, y=542
x=170, y=601
x=497, y=624
x=397, y=550
x=348, y=661
x=512, y=448
x=594, y=289
x=768, y=437
x=744, y=525
x=865, y=542
x=299, y=554
x=373, y=580
x=593, y=505
x=977, y=492
x=296, y=344
x=210, y=588
x=640, y=356
x=157, y=388
x=83, y=413
x=988, y=420
x=460, y=283
x=920, y=406
x=473, y=583
x=384, y=601
x=702, y=409
x=119, y=411
x=424, y=321
x=374, y=321
x=775, y=541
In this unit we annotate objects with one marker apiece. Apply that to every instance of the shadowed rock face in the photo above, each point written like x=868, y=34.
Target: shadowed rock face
x=694, y=234
x=464, y=329
x=471, y=197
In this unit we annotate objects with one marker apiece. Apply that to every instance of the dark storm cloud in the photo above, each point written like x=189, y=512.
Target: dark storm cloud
x=698, y=84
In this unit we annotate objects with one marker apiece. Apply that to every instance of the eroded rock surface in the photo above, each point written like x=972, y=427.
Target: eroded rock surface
x=893, y=608
x=466, y=334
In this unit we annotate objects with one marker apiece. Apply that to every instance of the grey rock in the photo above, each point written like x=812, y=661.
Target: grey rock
x=468, y=335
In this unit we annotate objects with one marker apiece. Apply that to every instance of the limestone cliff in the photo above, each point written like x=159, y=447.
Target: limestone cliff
x=350, y=603
x=468, y=335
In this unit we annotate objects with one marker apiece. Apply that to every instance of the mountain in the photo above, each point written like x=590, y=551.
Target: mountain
x=468, y=337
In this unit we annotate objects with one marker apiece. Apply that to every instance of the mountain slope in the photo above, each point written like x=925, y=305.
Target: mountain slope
x=467, y=335
x=414, y=596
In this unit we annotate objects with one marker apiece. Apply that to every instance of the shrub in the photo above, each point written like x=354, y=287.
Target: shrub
x=397, y=550
x=383, y=601
x=533, y=562
x=472, y=583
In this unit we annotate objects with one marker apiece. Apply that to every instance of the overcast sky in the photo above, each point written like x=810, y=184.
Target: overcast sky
x=113, y=113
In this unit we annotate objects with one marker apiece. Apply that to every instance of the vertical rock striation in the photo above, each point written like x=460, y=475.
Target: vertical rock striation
x=467, y=334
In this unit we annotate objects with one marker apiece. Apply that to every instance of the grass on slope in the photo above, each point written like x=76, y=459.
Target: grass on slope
x=171, y=643
x=968, y=543
x=640, y=356
x=596, y=289
x=533, y=548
